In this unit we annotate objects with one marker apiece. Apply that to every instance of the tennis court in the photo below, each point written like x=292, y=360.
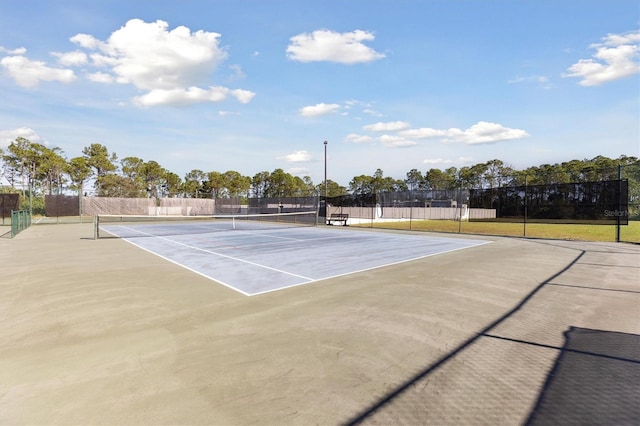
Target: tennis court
x=258, y=257
x=518, y=331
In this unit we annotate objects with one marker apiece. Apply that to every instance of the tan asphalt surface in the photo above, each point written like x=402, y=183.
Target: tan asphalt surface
x=104, y=333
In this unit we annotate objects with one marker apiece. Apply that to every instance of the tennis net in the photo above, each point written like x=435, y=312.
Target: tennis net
x=132, y=226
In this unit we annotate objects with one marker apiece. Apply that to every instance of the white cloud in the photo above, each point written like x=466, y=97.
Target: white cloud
x=225, y=113
x=459, y=161
x=423, y=133
x=434, y=161
x=367, y=107
x=327, y=45
x=102, y=61
x=29, y=73
x=190, y=95
x=87, y=41
x=100, y=77
x=615, y=58
x=71, y=59
x=319, y=109
x=396, y=141
x=480, y=133
x=484, y=132
x=187, y=96
x=298, y=171
x=297, y=157
x=372, y=112
x=18, y=51
x=151, y=57
x=236, y=72
x=619, y=39
x=243, y=96
x=8, y=136
x=387, y=127
x=171, y=66
x=356, y=138
x=541, y=80
x=349, y=103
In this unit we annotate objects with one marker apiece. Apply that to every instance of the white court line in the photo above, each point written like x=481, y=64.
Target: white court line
x=217, y=254
x=268, y=235
x=302, y=240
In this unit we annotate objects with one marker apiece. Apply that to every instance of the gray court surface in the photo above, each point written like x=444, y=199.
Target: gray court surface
x=268, y=258
x=516, y=332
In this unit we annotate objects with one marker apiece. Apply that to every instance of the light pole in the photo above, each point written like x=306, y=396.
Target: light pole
x=325, y=174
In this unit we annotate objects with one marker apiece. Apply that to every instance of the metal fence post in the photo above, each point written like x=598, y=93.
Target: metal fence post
x=619, y=203
x=524, y=222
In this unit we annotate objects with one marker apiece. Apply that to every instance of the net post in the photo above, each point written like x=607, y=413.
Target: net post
x=96, y=227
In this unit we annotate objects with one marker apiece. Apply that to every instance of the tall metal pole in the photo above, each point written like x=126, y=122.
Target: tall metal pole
x=325, y=175
x=619, y=206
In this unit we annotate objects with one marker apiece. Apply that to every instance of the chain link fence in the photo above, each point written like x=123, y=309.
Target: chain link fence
x=70, y=206
x=630, y=232
x=8, y=203
x=605, y=210
x=266, y=205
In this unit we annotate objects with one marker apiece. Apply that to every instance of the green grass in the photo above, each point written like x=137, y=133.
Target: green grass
x=628, y=233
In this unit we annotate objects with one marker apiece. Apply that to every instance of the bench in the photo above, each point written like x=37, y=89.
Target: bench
x=338, y=217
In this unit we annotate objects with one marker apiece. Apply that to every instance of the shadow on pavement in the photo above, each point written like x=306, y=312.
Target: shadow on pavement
x=595, y=381
x=382, y=402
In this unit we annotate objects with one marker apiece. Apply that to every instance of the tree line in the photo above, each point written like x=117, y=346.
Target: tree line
x=42, y=170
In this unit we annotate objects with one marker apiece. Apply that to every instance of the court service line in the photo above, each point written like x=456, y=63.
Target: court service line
x=302, y=240
x=222, y=255
x=275, y=237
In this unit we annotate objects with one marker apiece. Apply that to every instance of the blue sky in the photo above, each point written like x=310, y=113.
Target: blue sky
x=251, y=85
